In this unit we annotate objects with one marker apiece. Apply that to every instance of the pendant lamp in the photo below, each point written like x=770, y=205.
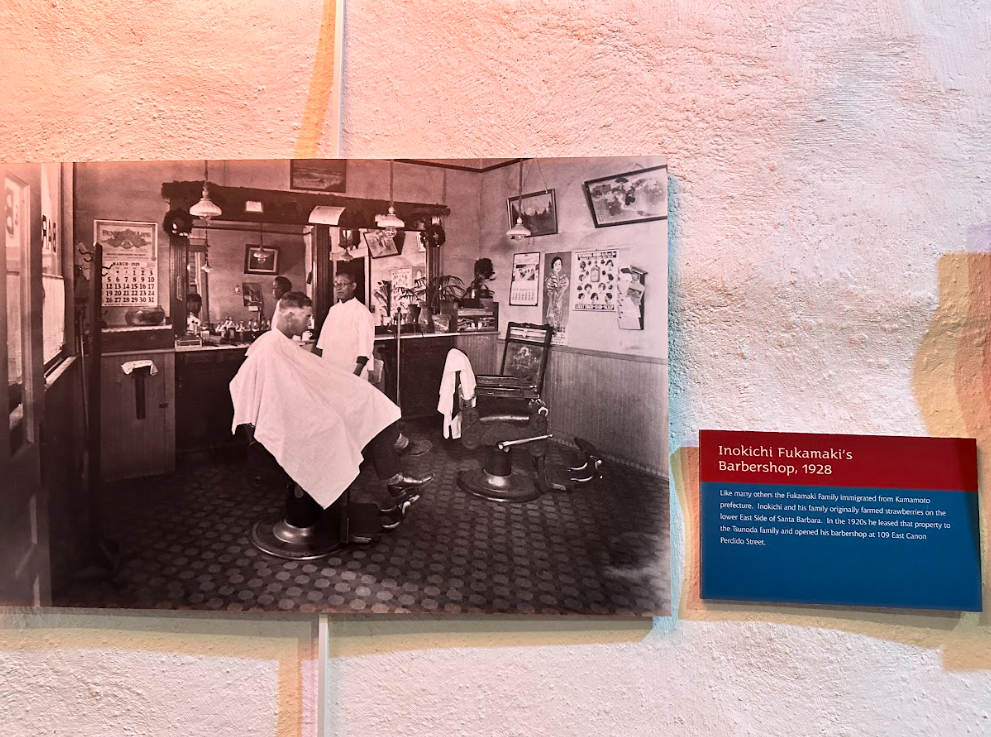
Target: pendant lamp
x=205, y=208
x=389, y=222
x=519, y=231
x=206, y=268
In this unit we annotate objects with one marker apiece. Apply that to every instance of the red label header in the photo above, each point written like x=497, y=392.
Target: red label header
x=873, y=461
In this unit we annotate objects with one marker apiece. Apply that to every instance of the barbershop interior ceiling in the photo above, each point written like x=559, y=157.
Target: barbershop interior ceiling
x=294, y=208
x=478, y=165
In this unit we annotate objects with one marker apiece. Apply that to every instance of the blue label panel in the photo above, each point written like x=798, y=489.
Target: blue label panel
x=840, y=545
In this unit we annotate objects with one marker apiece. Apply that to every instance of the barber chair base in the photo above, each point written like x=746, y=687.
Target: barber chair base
x=513, y=488
x=276, y=537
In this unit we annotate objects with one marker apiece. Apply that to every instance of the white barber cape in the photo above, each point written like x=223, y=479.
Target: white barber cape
x=314, y=419
x=347, y=333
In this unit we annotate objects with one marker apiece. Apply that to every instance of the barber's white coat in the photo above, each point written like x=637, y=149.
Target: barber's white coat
x=347, y=333
x=315, y=419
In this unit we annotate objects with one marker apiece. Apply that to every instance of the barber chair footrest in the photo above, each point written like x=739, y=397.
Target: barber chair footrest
x=274, y=536
x=363, y=523
x=513, y=488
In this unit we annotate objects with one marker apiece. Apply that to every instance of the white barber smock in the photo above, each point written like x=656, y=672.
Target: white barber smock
x=315, y=419
x=347, y=333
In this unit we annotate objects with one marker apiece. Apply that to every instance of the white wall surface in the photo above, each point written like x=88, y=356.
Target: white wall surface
x=829, y=271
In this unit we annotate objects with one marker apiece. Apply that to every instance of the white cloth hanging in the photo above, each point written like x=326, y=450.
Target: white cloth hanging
x=315, y=419
x=456, y=361
x=130, y=366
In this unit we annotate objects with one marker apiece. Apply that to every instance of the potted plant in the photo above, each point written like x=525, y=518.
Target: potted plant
x=430, y=296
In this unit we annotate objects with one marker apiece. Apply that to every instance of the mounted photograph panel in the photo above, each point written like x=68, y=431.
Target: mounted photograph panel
x=210, y=490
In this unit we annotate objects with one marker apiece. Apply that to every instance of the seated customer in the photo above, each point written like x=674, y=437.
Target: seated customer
x=194, y=303
x=315, y=420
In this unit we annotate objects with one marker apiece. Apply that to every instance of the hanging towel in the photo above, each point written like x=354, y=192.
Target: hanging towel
x=447, y=403
x=130, y=366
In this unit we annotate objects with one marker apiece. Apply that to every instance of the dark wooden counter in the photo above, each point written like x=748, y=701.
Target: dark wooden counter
x=204, y=411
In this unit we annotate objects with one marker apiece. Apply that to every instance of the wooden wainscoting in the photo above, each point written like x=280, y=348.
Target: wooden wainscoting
x=619, y=403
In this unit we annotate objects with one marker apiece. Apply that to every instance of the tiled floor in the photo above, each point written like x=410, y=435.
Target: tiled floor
x=603, y=549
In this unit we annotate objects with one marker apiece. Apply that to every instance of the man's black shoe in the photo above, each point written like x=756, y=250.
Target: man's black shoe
x=399, y=486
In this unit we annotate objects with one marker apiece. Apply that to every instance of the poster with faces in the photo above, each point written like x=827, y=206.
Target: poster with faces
x=595, y=281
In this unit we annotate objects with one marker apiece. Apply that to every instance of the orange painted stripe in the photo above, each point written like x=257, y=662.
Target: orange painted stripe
x=321, y=86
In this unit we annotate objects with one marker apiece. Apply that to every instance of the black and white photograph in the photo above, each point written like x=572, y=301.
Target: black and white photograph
x=537, y=210
x=633, y=197
x=261, y=260
x=319, y=175
x=380, y=244
x=307, y=448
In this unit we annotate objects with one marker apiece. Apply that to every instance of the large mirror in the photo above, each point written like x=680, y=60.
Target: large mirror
x=230, y=264
x=236, y=267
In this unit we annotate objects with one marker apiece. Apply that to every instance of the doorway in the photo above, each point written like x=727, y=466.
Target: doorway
x=24, y=555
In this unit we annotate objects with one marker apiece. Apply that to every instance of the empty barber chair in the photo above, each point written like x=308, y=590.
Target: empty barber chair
x=304, y=530
x=507, y=411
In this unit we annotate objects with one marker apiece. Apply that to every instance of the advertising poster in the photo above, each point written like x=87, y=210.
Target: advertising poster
x=596, y=282
x=630, y=296
x=557, y=283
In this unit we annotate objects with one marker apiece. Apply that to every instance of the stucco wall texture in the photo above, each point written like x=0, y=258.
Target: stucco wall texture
x=830, y=270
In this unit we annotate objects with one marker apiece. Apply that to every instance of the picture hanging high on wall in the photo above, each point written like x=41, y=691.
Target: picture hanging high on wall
x=537, y=210
x=634, y=197
x=318, y=175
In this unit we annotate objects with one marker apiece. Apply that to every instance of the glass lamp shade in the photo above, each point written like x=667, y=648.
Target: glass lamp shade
x=205, y=208
x=519, y=231
x=389, y=223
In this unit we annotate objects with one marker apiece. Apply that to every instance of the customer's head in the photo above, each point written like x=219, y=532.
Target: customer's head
x=292, y=313
x=194, y=303
x=280, y=286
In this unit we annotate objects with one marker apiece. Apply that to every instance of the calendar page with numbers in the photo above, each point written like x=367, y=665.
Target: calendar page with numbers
x=130, y=257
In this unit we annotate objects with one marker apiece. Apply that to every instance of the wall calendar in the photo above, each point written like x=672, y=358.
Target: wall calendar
x=130, y=258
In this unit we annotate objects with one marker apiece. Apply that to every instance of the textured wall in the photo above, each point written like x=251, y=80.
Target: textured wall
x=830, y=270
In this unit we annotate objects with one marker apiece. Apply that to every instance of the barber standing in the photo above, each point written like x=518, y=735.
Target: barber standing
x=347, y=338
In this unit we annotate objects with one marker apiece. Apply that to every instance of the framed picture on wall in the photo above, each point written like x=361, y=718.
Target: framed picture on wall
x=538, y=210
x=318, y=175
x=634, y=197
x=261, y=260
x=381, y=245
